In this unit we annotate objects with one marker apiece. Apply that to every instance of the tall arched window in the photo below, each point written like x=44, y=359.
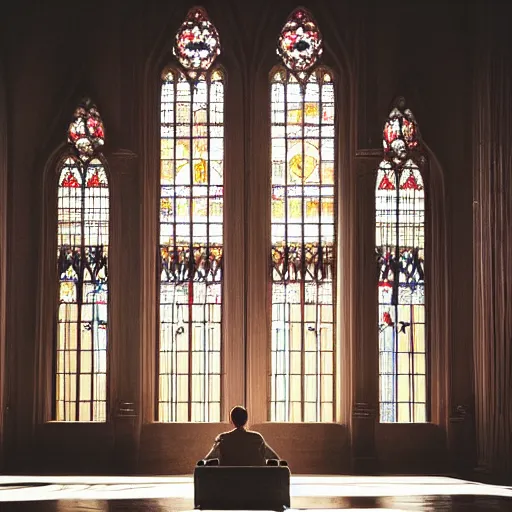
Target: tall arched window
x=400, y=242
x=303, y=234
x=191, y=226
x=83, y=238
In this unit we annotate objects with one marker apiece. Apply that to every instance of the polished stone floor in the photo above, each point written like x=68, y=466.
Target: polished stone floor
x=159, y=494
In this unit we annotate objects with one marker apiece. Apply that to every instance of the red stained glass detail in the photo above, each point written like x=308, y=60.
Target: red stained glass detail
x=70, y=181
x=86, y=131
x=409, y=132
x=400, y=134
x=386, y=184
x=94, y=181
x=95, y=127
x=190, y=293
x=411, y=183
x=73, y=135
x=386, y=318
x=391, y=130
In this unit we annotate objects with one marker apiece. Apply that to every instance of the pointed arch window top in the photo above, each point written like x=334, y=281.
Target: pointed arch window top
x=96, y=177
x=401, y=137
x=300, y=41
x=197, y=41
x=386, y=182
x=412, y=179
x=70, y=176
x=86, y=131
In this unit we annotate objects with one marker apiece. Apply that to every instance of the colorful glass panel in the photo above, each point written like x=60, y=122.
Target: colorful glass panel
x=303, y=217
x=300, y=41
x=197, y=41
x=400, y=242
x=400, y=135
x=82, y=319
x=86, y=131
x=191, y=247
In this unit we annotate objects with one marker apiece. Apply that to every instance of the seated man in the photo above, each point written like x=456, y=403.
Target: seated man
x=240, y=447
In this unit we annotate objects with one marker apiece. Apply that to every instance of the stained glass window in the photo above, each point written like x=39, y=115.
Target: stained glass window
x=400, y=242
x=303, y=205
x=191, y=229
x=82, y=256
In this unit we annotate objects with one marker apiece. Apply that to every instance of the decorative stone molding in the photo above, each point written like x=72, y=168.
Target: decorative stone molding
x=369, y=153
x=126, y=409
x=363, y=410
x=460, y=413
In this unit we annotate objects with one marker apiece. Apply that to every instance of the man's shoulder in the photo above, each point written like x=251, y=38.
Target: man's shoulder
x=254, y=434
x=223, y=435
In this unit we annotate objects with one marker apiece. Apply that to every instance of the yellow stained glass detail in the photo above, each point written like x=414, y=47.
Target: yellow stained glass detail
x=311, y=109
x=295, y=208
x=327, y=207
x=278, y=208
x=166, y=171
x=215, y=208
x=199, y=207
x=312, y=208
x=183, y=150
x=67, y=291
x=303, y=169
x=71, y=274
x=327, y=175
x=200, y=172
x=216, y=76
x=166, y=206
x=276, y=254
x=295, y=116
x=201, y=146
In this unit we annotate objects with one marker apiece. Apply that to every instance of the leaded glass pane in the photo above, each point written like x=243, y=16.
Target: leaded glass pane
x=191, y=247
x=400, y=241
x=303, y=241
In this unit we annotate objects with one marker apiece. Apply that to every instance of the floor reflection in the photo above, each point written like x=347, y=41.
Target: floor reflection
x=159, y=494
x=425, y=503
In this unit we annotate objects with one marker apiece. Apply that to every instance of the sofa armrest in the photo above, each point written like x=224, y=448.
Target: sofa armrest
x=277, y=462
x=208, y=462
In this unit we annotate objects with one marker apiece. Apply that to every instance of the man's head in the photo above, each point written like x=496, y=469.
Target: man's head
x=238, y=416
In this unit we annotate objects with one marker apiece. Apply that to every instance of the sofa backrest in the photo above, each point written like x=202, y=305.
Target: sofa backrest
x=242, y=487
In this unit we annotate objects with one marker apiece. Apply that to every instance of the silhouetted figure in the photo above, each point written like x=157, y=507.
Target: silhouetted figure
x=240, y=447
